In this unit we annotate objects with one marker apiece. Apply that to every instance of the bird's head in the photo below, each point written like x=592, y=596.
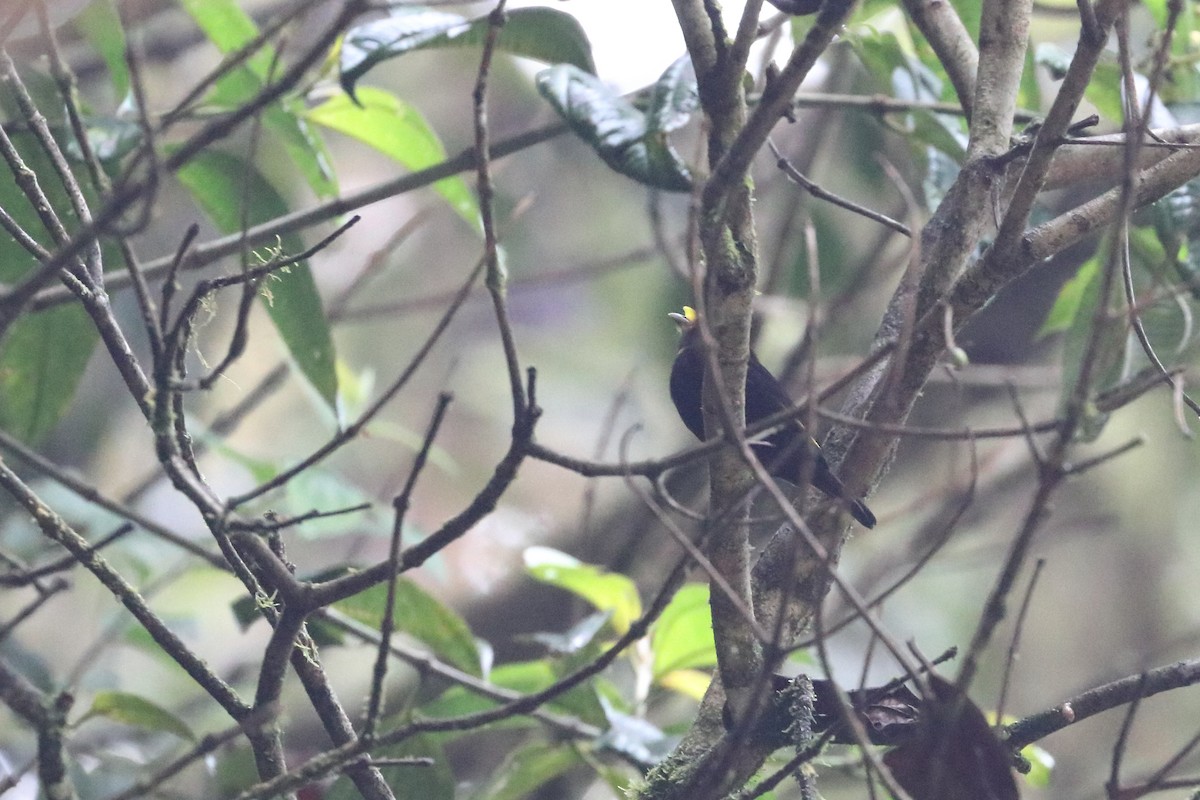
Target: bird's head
x=686, y=321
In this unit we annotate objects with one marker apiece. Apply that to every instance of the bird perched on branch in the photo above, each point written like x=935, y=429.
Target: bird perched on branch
x=783, y=452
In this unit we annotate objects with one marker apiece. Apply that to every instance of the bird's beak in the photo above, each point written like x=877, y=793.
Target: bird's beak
x=685, y=321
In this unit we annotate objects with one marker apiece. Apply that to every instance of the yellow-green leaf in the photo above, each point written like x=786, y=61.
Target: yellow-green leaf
x=396, y=129
x=130, y=709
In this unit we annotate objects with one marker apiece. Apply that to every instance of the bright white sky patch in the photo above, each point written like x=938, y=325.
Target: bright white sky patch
x=633, y=41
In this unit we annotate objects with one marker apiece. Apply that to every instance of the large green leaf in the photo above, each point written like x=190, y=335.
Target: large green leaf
x=420, y=615
x=1104, y=90
x=42, y=358
x=607, y=591
x=525, y=677
x=631, y=142
x=1030, y=94
x=223, y=185
x=682, y=637
x=543, y=34
x=1177, y=225
x=673, y=98
x=1066, y=307
x=230, y=28
x=131, y=709
x=396, y=129
x=528, y=769
x=100, y=24
x=1111, y=353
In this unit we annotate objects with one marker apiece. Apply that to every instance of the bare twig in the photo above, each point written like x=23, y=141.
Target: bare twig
x=400, y=504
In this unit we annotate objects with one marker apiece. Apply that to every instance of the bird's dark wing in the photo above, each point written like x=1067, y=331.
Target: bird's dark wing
x=687, y=384
x=784, y=452
x=764, y=393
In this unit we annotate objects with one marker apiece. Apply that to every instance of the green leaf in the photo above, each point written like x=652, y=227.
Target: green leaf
x=619, y=133
x=939, y=132
x=305, y=149
x=324, y=490
x=940, y=173
x=883, y=55
x=1104, y=90
x=42, y=358
x=1110, y=357
x=899, y=71
x=682, y=637
x=970, y=12
x=396, y=129
x=527, y=769
x=1177, y=225
x=1030, y=93
x=246, y=610
x=129, y=709
x=1053, y=59
x=547, y=35
x=543, y=34
x=111, y=139
x=222, y=184
x=230, y=28
x=673, y=98
x=420, y=615
x=101, y=25
x=1041, y=763
x=1066, y=306
x=607, y=591
x=260, y=470
x=691, y=683
x=1158, y=11
x=523, y=677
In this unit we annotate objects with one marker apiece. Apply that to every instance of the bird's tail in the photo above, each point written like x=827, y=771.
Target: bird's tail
x=859, y=510
x=824, y=479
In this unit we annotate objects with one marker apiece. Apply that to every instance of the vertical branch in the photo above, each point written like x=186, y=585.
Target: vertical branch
x=85, y=277
x=496, y=280
x=400, y=504
x=48, y=716
x=952, y=44
x=101, y=185
x=729, y=253
x=45, y=139
x=1058, y=119
x=1003, y=39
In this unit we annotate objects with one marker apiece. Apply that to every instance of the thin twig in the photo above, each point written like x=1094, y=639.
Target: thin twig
x=495, y=279
x=387, y=625
x=1014, y=643
x=817, y=191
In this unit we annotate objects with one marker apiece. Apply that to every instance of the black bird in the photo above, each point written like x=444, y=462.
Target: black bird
x=764, y=397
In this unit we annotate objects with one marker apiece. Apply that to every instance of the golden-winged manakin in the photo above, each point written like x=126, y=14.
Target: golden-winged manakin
x=764, y=397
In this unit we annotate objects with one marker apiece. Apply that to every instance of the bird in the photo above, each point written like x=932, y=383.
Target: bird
x=764, y=396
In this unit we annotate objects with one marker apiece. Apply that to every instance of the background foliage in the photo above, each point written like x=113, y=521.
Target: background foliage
x=358, y=288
